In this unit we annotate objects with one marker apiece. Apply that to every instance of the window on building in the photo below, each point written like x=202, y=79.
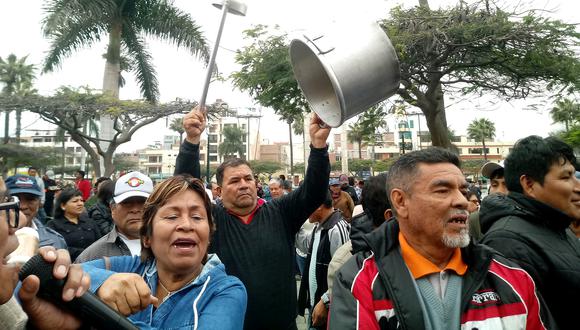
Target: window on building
x=37, y=140
x=213, y=138
x=405, y=135
x=497, y=150
x=213, y=149
x=154, y=159
x=213, y=158
x=411, y=124
x=70, y=160
x=338, y=157
x=70, y=149
x=478, y=151
x=77, y=160
x=48, y=139
x=407, y=146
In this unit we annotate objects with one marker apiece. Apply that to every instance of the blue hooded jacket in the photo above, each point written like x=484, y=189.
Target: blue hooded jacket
x=213, y=300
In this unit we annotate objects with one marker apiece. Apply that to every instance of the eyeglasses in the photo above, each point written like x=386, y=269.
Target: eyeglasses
x=12, y=210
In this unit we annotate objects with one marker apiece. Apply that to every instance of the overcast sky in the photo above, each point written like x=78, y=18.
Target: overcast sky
x=181, y=75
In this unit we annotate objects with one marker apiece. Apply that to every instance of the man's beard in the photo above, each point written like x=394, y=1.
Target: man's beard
x=458, y=240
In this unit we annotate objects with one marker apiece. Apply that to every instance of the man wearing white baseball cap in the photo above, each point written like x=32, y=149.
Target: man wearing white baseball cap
x=131, y=191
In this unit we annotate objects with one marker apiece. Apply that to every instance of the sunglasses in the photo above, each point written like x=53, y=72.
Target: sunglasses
x=12, y=210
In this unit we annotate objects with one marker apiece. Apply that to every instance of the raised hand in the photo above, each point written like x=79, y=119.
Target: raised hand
x=194, y=124
x=319, y=132
x=126, y=293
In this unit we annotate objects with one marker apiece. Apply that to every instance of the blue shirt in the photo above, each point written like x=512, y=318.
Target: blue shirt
x=213, y=300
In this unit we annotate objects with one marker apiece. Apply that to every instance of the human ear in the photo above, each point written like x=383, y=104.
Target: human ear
x=528, y=185
x=399, y=202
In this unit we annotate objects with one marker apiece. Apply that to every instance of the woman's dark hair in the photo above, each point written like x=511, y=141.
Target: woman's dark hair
x=162, y=193
x=374, y=199
x=106, y=191
x=66, y=195
x=100, y=180
x=472, y=192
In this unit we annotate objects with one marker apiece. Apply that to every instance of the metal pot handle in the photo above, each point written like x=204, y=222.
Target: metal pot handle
x=320, y=51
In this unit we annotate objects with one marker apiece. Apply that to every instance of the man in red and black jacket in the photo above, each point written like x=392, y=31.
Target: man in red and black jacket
x=421, y=271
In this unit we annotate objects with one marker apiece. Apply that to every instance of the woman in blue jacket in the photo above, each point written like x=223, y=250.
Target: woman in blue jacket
x=175, y=284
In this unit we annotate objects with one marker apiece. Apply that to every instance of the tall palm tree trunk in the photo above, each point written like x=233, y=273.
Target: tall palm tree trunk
x=110, y=86
x=6, y=126
x=484, y=151
x=359, y=149
x=18, y=125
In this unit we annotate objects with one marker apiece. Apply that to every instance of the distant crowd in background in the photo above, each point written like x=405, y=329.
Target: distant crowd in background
x=418, y=247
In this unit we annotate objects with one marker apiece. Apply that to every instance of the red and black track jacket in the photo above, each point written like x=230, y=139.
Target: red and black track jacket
x=375, y=290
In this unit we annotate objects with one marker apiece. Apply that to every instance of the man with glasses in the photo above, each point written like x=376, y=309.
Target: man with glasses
x=28, y=192
x=33, y=312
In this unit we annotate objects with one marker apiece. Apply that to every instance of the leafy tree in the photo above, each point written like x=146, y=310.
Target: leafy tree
x=17, y=77
x=472, y=166
x=12, y=156
x=299, y=168
x=469, y=49
x=266, y=74
x=177, y=126
x=75, y=24
x=232, y=144
x=265, y=167
x=572, y=137
x=481, y=129
x=124, y=162
x=477, y=49
x=72, y=109
x=566, y=111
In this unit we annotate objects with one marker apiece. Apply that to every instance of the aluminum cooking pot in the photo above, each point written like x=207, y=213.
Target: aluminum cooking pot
x=345, y=72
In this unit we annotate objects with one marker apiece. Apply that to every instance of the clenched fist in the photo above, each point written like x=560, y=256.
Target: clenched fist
x=194, y=124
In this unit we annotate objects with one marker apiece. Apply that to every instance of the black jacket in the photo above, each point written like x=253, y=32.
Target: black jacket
x=535, y=236
x=101, y=215
x=262, y=253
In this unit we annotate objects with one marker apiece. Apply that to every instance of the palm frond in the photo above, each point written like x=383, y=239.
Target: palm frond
x=142, y=64
x=63, y=12
x=72, y=37
x=162, y=20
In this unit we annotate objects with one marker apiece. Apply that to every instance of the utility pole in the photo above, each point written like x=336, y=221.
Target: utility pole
x=248, y=116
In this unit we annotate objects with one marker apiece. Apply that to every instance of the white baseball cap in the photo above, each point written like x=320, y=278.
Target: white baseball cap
x=132, y=184
x=488, y=168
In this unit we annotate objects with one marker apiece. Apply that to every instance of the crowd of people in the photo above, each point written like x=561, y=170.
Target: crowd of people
x=416, y=248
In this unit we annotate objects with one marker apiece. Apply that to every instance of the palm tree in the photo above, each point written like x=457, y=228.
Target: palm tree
x=356, y=134
x=481, y=129
x=232, y=143
x=75, y=24
x=177, y=126
x=17, y=77
x=566, y=111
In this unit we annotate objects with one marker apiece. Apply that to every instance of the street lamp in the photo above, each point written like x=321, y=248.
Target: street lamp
x=227, y=6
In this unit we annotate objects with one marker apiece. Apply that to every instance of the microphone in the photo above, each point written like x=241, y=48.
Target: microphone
x=88, y=307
